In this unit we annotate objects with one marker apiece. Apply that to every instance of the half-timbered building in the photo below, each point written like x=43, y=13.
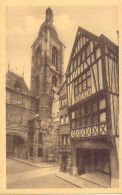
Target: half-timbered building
x=93, y=105
x=64, y=131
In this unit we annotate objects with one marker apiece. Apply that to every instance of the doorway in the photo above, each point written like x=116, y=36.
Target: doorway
x=64, y=160
x=91, y=160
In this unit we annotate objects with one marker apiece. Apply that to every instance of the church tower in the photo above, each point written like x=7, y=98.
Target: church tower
x=47, y=66
x=46, y=80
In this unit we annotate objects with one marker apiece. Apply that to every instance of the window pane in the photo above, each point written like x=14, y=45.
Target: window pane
x=83, y=122
x=80, y=88
x=71, y=77
x=64, y=140
x=73, y=124
x=76, y=90
x=95, y=107
x=102, y=104
x=78, y=60
x=85, y=65
x=61, y=120
x=98, y=53
x=61, y=139
x=93, y=58
x=103, y=117
x=79, y=70
x=68, y=140
x=71, y=67
x=84, y=85
x=73, y=115
x=78, y=123
x=88, y=109
x=80, y=80
x=81, y=67
x=84, y=76
x=74, y=64
x=82, y=111
x=76, y=83
x=77, y=113
x=88, y=50
x=95, y=119
x=83, y=56
x=67, y=119
x=88, y=73
x=88, y=82
x=88, y=120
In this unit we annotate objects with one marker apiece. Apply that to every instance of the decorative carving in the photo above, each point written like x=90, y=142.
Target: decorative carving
x=91, y=131
x=14, y=116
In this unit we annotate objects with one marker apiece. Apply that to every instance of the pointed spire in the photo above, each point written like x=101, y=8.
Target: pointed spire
x=49, y=15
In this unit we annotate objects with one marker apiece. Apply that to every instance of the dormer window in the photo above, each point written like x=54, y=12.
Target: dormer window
x=18, y=85
x=54, y=56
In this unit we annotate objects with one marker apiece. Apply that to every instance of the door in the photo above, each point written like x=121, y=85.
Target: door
x=102, y=161
x=80, y=161
x=64, y=163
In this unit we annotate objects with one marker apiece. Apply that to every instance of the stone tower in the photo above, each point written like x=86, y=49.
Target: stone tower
x=47, y=66
x=46, y=79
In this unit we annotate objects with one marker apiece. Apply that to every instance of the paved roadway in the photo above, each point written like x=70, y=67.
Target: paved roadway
x=23, y=176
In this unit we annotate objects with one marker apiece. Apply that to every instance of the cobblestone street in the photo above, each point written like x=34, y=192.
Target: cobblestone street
x=22, y=176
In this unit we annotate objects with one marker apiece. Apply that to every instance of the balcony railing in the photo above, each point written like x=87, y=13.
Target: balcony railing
x=65, y=148
x=90, y=131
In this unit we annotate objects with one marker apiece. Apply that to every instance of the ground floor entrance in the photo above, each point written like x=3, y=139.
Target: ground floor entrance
x=89, y=160
x=16, y=146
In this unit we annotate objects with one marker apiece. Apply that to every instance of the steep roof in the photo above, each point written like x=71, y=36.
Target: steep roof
x=83, y=32
x=14, y=81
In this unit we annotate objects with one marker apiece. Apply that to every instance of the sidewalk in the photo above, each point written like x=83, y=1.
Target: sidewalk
x=78, y=181
x=39, y=165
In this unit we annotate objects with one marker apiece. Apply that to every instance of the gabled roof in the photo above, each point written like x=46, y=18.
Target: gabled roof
x=108, y=41
x=83, y=32
x=16, y=78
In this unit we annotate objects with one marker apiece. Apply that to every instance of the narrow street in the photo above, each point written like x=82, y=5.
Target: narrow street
x=23, y=176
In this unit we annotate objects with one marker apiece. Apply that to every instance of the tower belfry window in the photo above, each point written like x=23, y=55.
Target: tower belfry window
x=54, y=56
x=38, y=54
x=54, y=80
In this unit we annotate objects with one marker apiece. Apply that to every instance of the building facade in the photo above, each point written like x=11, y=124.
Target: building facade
x=64, y=131
x=92, y=81
x=19, y=110
x=46, y=80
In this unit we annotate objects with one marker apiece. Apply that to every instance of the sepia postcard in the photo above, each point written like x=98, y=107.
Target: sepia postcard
x=60, y=97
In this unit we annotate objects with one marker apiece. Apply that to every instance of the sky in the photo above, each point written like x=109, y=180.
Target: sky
x=23, y=23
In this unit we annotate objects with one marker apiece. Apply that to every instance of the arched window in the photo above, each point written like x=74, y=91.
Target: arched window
x=38, y=54
x=54, y=80
x=54, y=56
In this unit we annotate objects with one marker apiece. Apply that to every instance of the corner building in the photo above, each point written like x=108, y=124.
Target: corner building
x=92, y=80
